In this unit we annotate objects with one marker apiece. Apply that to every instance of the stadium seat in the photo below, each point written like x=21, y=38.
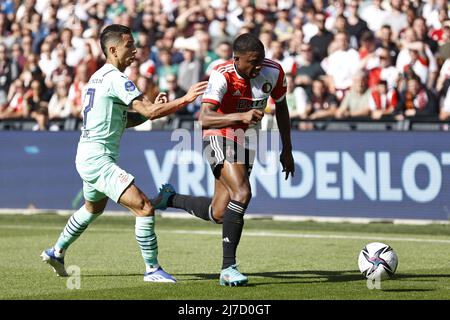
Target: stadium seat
x=338, y=126
x=12, y=124
x=56, y=125
x=375, y=126
x=172, y=124
x=70, y=124
x=186, y=124
x=28, y=125
x=426, y=126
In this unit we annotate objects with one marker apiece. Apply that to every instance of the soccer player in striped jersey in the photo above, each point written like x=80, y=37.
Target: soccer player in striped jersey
x=234, y=100
x=112, y=103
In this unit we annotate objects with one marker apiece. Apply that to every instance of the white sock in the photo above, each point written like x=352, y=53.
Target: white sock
x=59, y=252
x=151, y=268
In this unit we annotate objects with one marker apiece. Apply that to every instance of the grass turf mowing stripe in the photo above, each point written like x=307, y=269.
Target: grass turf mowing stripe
x=282, y=261
x=251, y=234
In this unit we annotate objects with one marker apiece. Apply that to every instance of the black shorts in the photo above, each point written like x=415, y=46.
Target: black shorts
x=217, y=149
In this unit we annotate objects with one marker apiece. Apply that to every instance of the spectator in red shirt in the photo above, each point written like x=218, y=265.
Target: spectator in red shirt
x=416, y=100
x=382, y=101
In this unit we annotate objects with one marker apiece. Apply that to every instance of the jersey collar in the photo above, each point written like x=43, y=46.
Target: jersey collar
x=237, y=73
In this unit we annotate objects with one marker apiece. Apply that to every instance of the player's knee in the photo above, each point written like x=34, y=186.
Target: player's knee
x=145, y=213
x=218, y=217
x=94, y=209
x=242, y=195
x=144, y=209
x=216, y=211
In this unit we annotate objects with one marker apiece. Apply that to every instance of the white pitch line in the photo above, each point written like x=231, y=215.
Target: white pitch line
x=314, y=236
x=249, y=234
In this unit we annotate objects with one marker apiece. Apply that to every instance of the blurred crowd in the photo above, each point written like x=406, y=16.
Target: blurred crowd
x=343, y=59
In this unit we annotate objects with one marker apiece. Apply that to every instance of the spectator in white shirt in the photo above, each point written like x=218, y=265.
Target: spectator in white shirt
x=340, y=65
x=58, y=106
x=419, y=57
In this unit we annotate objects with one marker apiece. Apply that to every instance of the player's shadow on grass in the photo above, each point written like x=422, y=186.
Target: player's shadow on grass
x=304, y=276
x=407, y=290
x=419, y=277
x=308, y=276
x=296, y=277
x=111, y=275
x=317, y=276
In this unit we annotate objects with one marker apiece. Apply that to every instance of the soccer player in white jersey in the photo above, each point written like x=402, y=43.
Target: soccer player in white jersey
x=236, y=96
x=112, y=103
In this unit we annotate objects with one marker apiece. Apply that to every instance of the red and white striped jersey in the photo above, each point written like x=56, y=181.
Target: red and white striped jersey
x=232, y=93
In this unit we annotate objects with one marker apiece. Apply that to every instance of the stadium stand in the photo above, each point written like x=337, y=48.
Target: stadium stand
x=387, y=43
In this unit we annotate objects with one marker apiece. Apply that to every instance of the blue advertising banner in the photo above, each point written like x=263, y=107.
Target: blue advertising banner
x=338, y=174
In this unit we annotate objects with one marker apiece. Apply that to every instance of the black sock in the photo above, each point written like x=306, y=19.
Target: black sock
x=233, y=223
x=197, y=206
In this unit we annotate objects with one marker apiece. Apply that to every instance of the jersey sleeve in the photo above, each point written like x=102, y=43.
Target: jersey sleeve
x=279, y=92
x=124, y=89
x=216, y=89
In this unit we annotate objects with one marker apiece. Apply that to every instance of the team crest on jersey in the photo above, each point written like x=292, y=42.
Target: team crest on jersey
x=266, y=87
x=123, y=178
x=129, y=86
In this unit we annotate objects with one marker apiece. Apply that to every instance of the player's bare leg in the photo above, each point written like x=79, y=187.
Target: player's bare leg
x=231, y=196
x=96, y=207
x=76, y=225
x=220, y=201
x=138, y=203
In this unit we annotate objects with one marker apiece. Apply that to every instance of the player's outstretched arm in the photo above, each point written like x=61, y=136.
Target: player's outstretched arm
x=284, y=125
x=135, y=118
x=210, y=118
x=160, y=109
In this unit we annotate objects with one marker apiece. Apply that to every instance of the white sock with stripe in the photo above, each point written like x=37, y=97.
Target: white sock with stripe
x=146, y=238
x=76, y=225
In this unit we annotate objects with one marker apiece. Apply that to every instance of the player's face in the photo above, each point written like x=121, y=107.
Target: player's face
x=126, y=50
x=249, y=64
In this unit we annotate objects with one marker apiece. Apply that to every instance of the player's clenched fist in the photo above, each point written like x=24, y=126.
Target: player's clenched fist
x=252, y=117
x=161, y=98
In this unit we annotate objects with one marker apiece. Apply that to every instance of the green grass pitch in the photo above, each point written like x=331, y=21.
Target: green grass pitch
x=283, y=260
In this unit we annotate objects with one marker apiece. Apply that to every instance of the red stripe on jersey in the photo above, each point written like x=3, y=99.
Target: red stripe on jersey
x=271, y=66
x=214, y=102
x=224, y=66
x=271, y=63
x=222, y=71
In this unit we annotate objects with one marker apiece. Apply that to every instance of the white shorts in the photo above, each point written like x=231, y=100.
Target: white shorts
x=103, y=178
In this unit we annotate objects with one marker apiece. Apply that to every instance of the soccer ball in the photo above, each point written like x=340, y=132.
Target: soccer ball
x=377, y=261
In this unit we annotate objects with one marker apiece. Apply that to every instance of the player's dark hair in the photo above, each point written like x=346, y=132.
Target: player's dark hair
x=112, y=33
x=247, y=42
